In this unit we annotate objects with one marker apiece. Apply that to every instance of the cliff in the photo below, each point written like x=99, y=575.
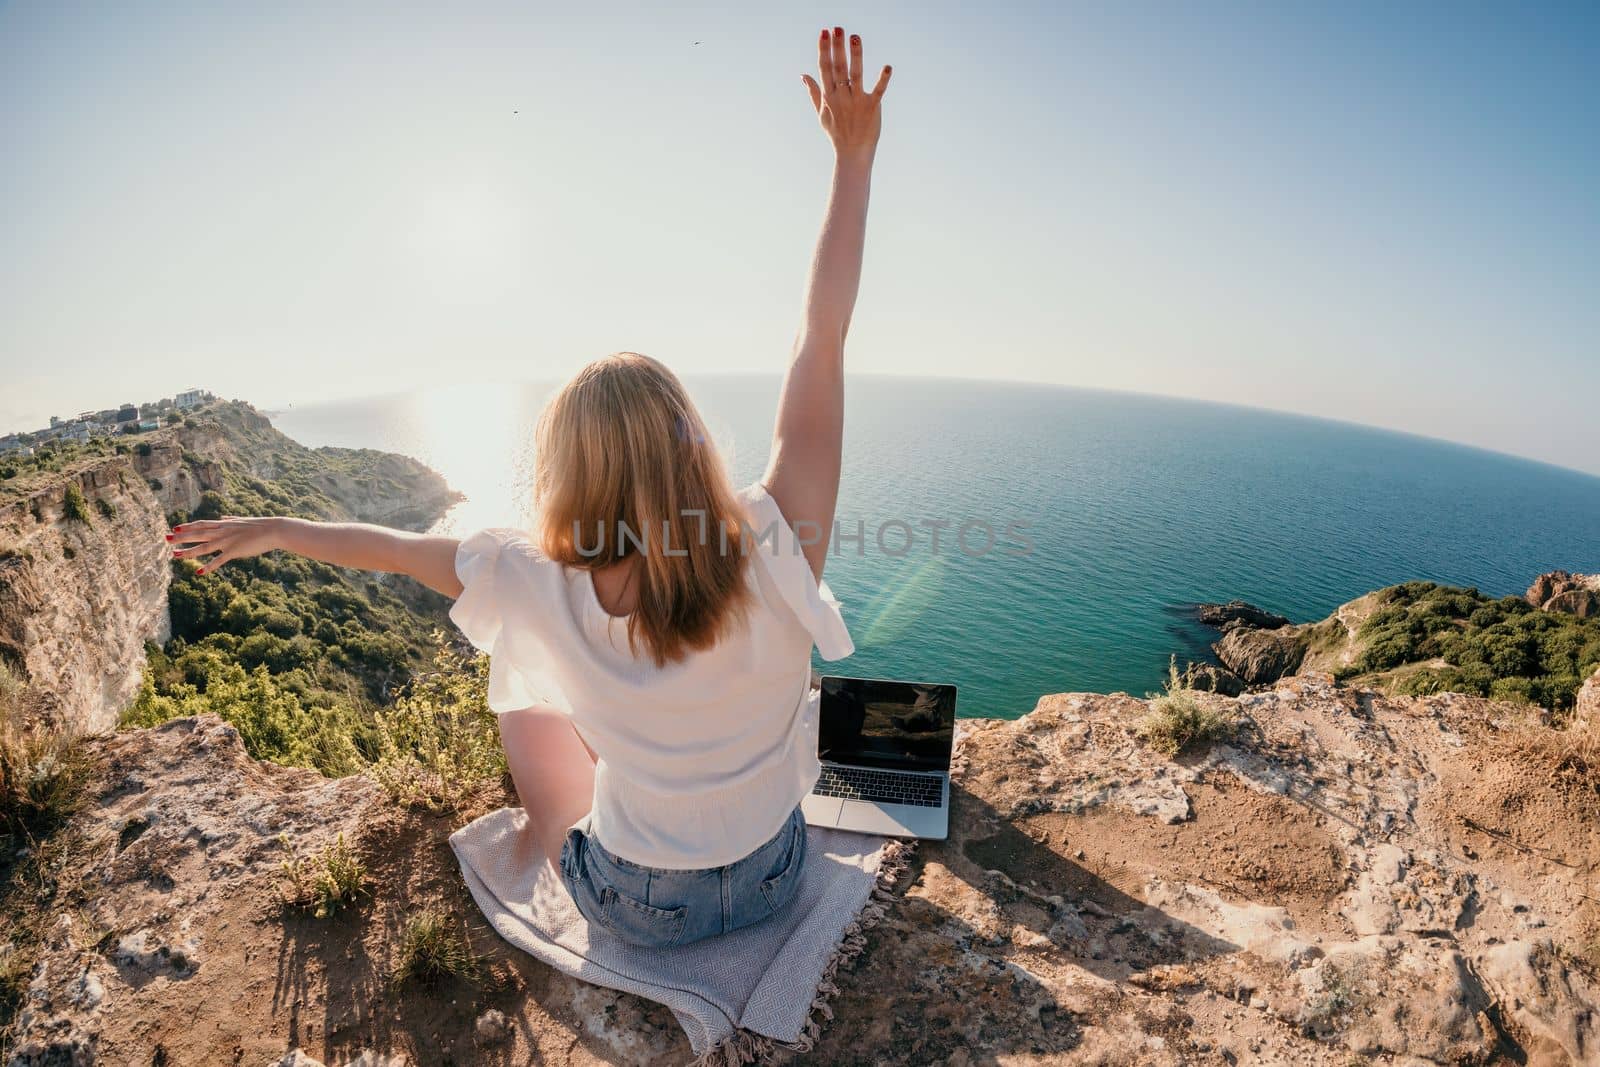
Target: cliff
x=1578, y=594
x=1350, y=877
x=80, y=596
x=84, y=568
x=1419, y=638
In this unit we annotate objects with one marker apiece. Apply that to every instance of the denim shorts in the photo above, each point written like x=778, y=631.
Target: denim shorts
x=657, y=907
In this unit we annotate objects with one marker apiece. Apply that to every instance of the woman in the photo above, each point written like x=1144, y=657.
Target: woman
x=650, y=641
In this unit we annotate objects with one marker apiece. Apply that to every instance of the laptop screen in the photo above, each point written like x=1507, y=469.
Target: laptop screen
x=906, y=726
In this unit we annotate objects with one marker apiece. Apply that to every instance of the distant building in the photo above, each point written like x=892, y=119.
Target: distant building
x=54, y=422
x=190, y=398
x=127, y=413
x=11, y=443
x=149, y=424
x=85, y=416
x=75, y=431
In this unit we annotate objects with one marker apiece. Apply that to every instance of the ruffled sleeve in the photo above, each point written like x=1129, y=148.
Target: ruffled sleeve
x=501, y=603
x=778, y=549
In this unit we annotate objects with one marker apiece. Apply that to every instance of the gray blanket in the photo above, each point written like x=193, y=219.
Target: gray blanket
x=738, y=995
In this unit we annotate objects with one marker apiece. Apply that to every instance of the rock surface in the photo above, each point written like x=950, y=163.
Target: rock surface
x=1587, y=706
x=1259, y=657
x=1239, y=613
x=1575, y=594
x=79, y=599
x=1354, y=878
x=1210, y=678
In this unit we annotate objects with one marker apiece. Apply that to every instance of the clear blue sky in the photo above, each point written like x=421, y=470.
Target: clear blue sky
x=1378, y=212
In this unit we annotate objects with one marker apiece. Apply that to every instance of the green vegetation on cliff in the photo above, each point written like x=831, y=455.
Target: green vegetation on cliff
x=307, y=660
x=1424, y=638
x=22, y=474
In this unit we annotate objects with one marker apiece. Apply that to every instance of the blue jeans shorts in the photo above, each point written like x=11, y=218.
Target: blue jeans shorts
x=657, y=907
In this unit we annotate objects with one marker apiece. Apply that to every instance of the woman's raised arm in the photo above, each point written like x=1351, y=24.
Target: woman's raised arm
x=807, y=440
x=429, y=559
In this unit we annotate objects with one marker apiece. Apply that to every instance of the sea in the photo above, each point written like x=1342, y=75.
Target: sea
x=1017, y=540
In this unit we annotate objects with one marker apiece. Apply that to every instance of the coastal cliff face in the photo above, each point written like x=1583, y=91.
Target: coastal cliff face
x=84, y=567
x=1351, y=878
x=83, y=586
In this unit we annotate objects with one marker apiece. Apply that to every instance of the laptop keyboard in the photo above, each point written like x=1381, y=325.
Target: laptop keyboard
x=861, y=783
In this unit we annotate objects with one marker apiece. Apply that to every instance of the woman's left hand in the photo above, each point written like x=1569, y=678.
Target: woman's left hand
x=230, y=537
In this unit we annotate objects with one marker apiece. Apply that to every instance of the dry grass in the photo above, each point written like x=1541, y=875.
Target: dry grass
x=335, y=878
x=44, y=778
x=1571, y=752
x=431, y=949
x=1178, y=720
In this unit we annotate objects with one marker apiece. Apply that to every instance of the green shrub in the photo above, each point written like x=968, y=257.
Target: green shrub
x=105, y=507
x=211, y=506
x=431, y=949
x=143, y=448
x=439, y=744
x=73, y=505
x=1494, y=647
x=335, y=878
x=273, y=722
x=1177, y=719
x=1515, y=690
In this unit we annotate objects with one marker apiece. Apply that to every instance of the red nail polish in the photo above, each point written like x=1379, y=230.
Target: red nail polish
x=855, y=38
x=838, y=31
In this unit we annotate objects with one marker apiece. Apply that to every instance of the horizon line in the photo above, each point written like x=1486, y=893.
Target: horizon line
x=1592, y=475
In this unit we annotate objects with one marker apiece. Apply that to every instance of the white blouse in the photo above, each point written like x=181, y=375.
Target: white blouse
x=699, y=761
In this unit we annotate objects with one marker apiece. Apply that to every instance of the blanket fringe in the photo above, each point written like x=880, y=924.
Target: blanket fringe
x=748, y=1047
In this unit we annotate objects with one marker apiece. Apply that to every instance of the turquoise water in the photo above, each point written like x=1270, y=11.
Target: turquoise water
x=1136, y=508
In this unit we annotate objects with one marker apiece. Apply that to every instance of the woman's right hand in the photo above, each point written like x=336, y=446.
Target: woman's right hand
x=228, y=537
x=849, y=114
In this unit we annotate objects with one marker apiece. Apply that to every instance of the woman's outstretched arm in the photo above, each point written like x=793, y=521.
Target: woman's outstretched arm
x=807, y=441
x=429, y=559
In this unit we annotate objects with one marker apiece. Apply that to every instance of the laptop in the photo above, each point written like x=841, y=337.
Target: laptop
x=885, y=753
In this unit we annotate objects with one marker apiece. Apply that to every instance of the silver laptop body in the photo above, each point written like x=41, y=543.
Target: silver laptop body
x=885, y=750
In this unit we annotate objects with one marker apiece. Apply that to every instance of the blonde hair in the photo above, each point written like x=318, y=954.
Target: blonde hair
x=625, y=468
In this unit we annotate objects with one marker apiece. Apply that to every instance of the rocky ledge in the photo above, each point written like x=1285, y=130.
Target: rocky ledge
x=1576, y=594
x=1351, y=878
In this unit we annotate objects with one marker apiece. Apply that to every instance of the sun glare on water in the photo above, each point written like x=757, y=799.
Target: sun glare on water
x=480, y=438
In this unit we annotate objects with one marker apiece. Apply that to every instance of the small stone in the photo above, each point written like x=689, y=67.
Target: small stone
x=296, y=1058
x=492, y=1027
x=372, y=1058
